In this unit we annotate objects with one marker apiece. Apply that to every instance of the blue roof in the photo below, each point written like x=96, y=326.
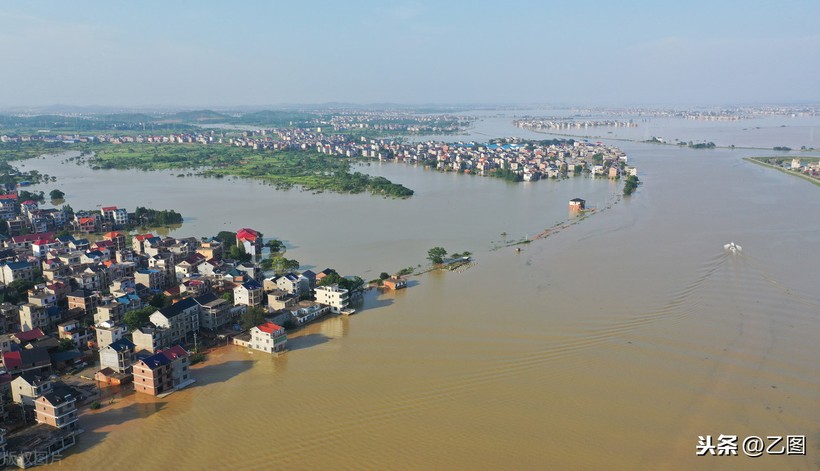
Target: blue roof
x=122, y=345
x=18, y=265
x=177, y=308
x=252, y=284
x=156, y=360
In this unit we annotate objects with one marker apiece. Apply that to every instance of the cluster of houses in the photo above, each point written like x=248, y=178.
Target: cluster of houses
x=810, y=168
x=74, y=311
x=26, y=217
x=530, y=160
x=569, y=123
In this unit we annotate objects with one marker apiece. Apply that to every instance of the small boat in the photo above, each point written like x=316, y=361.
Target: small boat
x=732, y=247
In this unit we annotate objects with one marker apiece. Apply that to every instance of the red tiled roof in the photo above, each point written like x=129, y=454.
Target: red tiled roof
x=144, y=236
x=86, y=220
x=111, y=235
x=110, y=208
x=268, y=327
x=9, y=196
x=246, y=234
x=32, y=237
x=12, y=360
x=174, y=352
x=29, y=335
x=28, y=202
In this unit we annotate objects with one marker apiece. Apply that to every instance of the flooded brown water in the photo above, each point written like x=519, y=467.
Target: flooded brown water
x=613, y=344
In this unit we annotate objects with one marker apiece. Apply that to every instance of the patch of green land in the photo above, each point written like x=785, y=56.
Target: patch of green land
x=283, y=169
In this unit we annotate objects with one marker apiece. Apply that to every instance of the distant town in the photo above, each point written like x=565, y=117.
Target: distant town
x=510, y=158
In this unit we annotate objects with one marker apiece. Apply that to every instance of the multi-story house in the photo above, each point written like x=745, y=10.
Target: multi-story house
x=293, y=283
x=57, y=408
x=74, y=331
x=151, y=339
x=27, y=387
x=251, y=241
x=333, y=296
x=112, y=312
x=180, y=366
x=13, y=271
x=180, y=318
x=249, y=293
x=153, y=375
x=115, y=216
x=214, y=312
x=210, y=248
x=84, y=299
x=151, y=279
x=109, y=332
x=35, y=360
x=118, y=239
x=269, y=338
x=119, y=356
x=33, y=317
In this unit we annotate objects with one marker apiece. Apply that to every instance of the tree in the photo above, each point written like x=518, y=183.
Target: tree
x=275, y=245
x=228, y=296
x=436, y=255
x=56, y=195
x=237, y=252
x=631, y=185
x=158, y=300
x=138, y=318
x=252, y=317
x=65, y=345
x=384, y=276
x=280, y=264
x=228, y=238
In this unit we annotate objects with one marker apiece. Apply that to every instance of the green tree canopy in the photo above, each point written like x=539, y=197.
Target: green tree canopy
x=252, y=317
x=436, y=254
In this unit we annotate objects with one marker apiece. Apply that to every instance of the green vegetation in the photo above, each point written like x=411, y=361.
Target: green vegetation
x=56, y=194
x=24, y=195
x=252, y=317
x=436, y=255
x=197, y=357
x=153, y=217
x=228, y=238
x=284, y=169
x=405, y=271
x=506, y=174
x=95, y=405
x=138, y=318
x=65, y=345
x=630, y=185
x=782, y=148
x=237, y=252
x=702, y=145
x=275, y=245
x=351, y=283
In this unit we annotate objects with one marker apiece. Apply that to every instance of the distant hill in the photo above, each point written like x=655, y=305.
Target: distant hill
x=275, y=118
x=199, y=116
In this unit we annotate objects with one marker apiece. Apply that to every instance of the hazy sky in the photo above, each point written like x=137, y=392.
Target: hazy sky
x=208, y=53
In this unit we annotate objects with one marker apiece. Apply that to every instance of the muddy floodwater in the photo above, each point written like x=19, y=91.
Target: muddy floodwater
x=612, y=344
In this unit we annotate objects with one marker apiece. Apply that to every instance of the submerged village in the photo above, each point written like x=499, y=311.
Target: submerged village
x=91, y=303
